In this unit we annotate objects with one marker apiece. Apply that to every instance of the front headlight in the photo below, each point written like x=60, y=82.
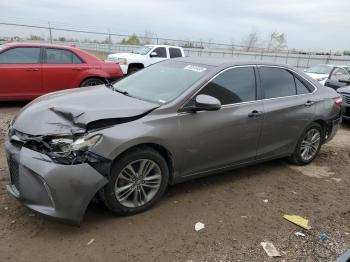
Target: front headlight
x=64, y=146
x=121, y=61
x=85, y=143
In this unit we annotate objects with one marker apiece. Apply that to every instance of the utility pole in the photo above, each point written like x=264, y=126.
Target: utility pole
x=50, y=32
x=109, y=41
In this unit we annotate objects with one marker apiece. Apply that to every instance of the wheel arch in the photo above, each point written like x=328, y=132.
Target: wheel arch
x=90, y=77
x=137, y=65
x=157, y=147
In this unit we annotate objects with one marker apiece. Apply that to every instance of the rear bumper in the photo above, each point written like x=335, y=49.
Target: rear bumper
x=333, y=127
x=59, y=191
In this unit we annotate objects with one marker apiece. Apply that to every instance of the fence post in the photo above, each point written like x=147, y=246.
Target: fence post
x=109, y=41
x=287, y=56
x=50, y=32
x=329, y=57
x=308, y=60
x=298, y=61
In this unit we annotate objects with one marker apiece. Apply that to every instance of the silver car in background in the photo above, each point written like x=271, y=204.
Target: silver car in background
x=173, y=121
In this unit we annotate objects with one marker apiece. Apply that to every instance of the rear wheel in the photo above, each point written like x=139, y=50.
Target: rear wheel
x=308, y=145
x=92, y=82
x=138, y=180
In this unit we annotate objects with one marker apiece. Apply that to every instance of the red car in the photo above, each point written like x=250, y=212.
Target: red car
x=31, y=70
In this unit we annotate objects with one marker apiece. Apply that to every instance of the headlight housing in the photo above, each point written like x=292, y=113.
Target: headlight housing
x=64, y=146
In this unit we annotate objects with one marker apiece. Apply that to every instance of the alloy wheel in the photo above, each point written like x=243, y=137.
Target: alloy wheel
x=310, y=144
x=138, y=183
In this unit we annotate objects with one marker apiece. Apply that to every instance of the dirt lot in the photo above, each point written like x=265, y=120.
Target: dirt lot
x=231, y=206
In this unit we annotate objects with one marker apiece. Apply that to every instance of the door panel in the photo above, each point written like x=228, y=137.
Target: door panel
x=284, y=121
x=62, y=69
x=287, y=111
x=20, y=73
x=59, y=77
x=214, y=139
x=20, y=81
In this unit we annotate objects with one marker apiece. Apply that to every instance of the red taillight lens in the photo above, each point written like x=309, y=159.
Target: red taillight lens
x=338, y=102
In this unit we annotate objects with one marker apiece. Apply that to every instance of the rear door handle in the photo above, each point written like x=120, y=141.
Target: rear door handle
x=255, y=113
x=32, y=69
x=309, y=103
x=78, y=69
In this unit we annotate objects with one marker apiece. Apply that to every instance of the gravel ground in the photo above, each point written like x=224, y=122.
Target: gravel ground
x=232, y=206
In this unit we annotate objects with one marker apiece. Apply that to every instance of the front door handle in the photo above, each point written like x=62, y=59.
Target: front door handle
x=78, y=69
x=309, y=103
x=255, y=113
x=32, y=69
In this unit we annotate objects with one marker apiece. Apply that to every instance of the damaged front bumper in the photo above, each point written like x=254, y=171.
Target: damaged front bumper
x=56, y=190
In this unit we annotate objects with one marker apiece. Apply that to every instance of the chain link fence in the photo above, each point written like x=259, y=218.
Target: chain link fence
x=107, y=42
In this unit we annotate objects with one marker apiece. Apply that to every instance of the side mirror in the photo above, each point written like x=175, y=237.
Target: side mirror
x=153, y=54
x=203, y=103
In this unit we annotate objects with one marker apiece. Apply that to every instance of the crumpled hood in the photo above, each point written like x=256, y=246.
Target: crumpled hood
x=70, y=111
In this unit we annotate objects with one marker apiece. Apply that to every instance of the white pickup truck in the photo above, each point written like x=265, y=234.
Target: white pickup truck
x=145, y=56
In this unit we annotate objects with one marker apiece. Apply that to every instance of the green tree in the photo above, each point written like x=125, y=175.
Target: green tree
x=132, y=40
x=35, y=38
x=277, y=40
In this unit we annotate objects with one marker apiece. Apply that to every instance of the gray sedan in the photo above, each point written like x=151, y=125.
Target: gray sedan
x=173, y=121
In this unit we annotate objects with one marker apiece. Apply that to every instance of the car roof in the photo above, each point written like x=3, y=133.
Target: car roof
x=15, y=44
x=164, y=46
x=225, y=62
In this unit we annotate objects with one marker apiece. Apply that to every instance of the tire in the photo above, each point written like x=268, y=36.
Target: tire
x=123, y=203
x=299, y=157
x=133, y=70
x=92, y=82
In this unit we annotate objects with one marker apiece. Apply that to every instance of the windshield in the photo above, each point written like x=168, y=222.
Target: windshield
x=161, y=82
x=319, y=69
x=143, y=50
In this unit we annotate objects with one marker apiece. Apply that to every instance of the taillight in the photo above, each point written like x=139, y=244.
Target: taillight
x=338, y=102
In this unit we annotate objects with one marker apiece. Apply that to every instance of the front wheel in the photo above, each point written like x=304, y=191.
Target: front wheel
x=92, y=82
x=308, y=145
x=138, y=180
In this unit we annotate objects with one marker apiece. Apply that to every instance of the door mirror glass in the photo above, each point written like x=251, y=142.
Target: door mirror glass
x=153, y=54
x=203, y=103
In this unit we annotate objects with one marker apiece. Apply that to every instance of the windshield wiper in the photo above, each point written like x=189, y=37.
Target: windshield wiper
x=120, y=91
x=110, y=85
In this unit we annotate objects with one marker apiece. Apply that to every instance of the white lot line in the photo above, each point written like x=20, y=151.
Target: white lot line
x=313, y=170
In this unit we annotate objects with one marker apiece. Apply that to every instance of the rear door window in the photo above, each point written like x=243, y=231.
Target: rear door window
x=234, y=85
x=175, y=52
x=276, y=82
x=21, y=55
x=60, y=56
x=161, y=52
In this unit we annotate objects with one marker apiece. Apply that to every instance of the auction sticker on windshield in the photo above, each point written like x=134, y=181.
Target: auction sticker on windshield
x=195, y=68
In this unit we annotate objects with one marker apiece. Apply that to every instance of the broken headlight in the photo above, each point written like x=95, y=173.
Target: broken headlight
x=64, y=146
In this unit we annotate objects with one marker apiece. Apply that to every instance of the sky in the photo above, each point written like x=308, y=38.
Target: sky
x=308, y=24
